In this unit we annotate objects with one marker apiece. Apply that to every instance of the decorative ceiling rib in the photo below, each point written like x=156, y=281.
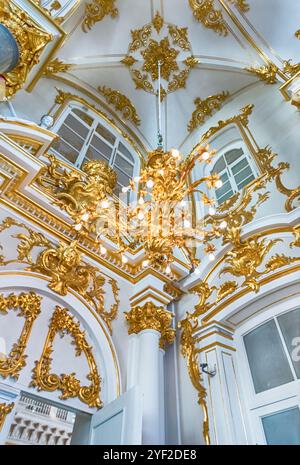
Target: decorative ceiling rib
x=207, y=48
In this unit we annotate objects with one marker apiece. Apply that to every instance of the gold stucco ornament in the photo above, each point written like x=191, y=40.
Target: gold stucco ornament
x=31, y=40
x=63, y=323
x=164, y=43
x=211, y=17
x=150, y=316
x=79, y=193
x=96, y=10
x=28, y=306
x=191, y=354
x=63, y=264
x=5, y=409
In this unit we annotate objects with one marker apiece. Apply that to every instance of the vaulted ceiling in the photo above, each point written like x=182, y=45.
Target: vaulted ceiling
x=204, y=47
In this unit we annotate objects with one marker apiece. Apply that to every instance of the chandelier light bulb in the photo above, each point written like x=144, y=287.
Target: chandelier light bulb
x=141, y=216
x=150, y=183
x=141, y=201
x=197, y=271
x=145, y=263
x=212, y=211
x=205, y=156
x=219, y=184
x=78, y=226
x=168, y=269
x=175, y=153
x=105, y=204
x=85, y=217
x=186, y=224
x=223, y=224
x=211, y=257
x=103, y=250
x=124, y=259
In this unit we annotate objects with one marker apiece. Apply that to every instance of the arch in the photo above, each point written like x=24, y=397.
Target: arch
x=103, y=347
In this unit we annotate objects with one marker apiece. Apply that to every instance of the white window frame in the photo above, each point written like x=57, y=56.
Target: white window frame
x=237, y=144
x=273, y=400
x=97, y=119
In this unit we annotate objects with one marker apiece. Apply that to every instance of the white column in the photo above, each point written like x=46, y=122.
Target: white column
x=149, y=381
x=150, y=328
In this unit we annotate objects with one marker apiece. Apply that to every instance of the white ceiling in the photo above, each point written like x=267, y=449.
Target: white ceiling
x=96, y=56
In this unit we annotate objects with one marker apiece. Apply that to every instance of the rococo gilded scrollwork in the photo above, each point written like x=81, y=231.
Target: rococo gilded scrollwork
x=205, y=12
x=205, y=108
x=190, y=353
x=161, y=42
x=264, y=158
x=5, y=409
x=28, y=306
x=96, y=10
x=266, y=73
x=247, y=256
x=56, y=66
x=76, y=193
x=62, y=323
x=150, y=316
x=63, y=264
x=121, y=103
x=31, y=40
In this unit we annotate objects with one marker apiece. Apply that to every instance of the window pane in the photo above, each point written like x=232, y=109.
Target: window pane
x=268, y=362
x=123, y=180
x=239, y=166
x=84, y=116
x=244, y=174
x=233, y=155
x=101, y=147
x=222, y=190
x=121, y=163
x=290, y=326
x=65, y=150
x=126, y=152
x=219, y=166
x=225, y=197
x=283, y=428
x=245, y=182
x=105, y=134
x=70, y=137
x=77, y=126
x=93, y=154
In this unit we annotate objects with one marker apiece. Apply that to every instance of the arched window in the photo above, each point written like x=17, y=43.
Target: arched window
x=236, y=170
x=84, y=135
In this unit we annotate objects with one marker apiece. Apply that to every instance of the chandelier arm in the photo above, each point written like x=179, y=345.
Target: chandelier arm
x=190, y=163
x=197, y=183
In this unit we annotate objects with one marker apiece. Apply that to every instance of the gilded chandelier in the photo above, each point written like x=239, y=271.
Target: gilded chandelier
x=160, y=219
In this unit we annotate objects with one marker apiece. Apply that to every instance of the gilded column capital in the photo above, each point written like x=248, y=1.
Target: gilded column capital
x=150, y=316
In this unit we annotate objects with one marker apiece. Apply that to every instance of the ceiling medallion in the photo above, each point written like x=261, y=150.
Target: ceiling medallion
x=162, y=42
